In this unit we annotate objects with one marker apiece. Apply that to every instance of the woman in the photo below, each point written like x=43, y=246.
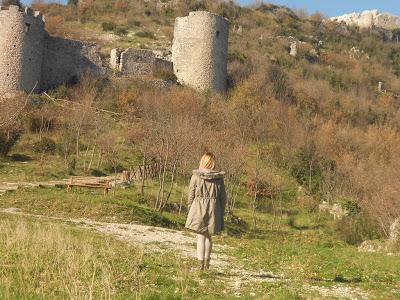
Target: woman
x=207, y=198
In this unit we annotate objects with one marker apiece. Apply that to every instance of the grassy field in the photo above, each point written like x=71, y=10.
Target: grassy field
x=44, y=260
x=303, y=251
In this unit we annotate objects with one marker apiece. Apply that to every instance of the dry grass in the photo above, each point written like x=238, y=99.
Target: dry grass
x=50, y=261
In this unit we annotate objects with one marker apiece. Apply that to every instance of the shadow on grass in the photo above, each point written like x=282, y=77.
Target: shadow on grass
x=20, y=157
x=305, y=227
x=260, y=276
x=339, y=279
x=292, y=224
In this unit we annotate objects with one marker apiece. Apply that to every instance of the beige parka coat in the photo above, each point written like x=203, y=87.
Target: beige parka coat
x=207, y=199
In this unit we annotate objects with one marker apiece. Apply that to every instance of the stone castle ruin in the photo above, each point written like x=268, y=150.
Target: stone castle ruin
x=32, y=60
x=200, y=51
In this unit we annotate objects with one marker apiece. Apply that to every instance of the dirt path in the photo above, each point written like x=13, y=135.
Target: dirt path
x=160, y=239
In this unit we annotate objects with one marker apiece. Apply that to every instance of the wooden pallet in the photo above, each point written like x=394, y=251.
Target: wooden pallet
x=89, y=182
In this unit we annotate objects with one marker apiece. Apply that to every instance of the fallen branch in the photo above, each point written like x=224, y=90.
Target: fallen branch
x=69, y=102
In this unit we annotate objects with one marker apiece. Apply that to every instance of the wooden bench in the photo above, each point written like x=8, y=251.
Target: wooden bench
x=90, y=182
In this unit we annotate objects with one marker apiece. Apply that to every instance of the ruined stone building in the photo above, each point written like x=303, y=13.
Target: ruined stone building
x=138, y=62
x=32, y=60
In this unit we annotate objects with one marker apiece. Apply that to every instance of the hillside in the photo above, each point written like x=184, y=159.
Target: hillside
x=308, y=128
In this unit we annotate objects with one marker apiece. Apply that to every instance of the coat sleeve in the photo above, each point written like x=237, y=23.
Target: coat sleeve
x=223, y=195
x=192, y=190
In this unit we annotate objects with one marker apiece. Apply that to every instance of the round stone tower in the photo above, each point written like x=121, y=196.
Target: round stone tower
x=200, y=51
x=21, y=49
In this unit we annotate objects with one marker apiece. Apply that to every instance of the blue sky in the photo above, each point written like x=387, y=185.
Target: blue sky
x=327, y=7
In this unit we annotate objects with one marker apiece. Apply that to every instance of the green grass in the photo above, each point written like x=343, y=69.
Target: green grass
x=123, y=207
x=303, y=249
x=297, y=245
x=46, y=260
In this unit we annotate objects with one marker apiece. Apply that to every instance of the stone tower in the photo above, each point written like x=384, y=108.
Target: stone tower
x=200, y=51
x=22, y=36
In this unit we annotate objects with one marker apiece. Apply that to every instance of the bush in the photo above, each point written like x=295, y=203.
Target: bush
x=169, y=12
x=355, y=230
x=236, y=55
x=120, y=31
x=111, y=168
x=146, y=34
x=36, y=124
x=45, y=145
x=281, y=86
x=350, y=206
x=133, y=22
x=71, y=165
x=7, y=141
x=165, y=75
x=108, y=26
x=197, y=6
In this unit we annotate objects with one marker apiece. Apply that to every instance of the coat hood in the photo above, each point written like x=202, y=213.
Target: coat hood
x=209, y=175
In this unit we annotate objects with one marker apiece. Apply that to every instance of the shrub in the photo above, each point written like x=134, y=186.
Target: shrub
x=55, y=25
x=111, y=168
x=108, y=26
x=134, y=22
x=165, y=75
x=351, y=206
x=197, y=5
x=120, y=31
x=355, y=230
x=71, y=165
x=280, y=84
x=45, y=145
x=146, y=34
x=395, y=59
x=37, y=123
x=169, y=12
x=7, y=141
x=236, y=55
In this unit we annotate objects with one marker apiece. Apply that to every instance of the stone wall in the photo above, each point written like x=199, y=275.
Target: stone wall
x=200, y=51
x=21, y=49
x=138, y=62
x=66, y=60
x=31, y=60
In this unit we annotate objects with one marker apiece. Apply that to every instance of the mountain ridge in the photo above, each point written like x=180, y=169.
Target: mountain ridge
x=369, y=19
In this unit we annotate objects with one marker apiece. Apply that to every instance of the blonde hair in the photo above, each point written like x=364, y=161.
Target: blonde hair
x=207, y=161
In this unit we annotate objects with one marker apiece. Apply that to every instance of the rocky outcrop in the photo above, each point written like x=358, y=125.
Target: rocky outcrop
x=336, y=210
x=394, y=233
x=370, y=19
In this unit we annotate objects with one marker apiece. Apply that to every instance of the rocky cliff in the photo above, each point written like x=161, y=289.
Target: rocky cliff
x=369, y=19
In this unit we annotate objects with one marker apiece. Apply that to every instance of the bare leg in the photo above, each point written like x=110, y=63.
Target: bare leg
x=201, y=241
x=207, y=251
x=208, y=246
